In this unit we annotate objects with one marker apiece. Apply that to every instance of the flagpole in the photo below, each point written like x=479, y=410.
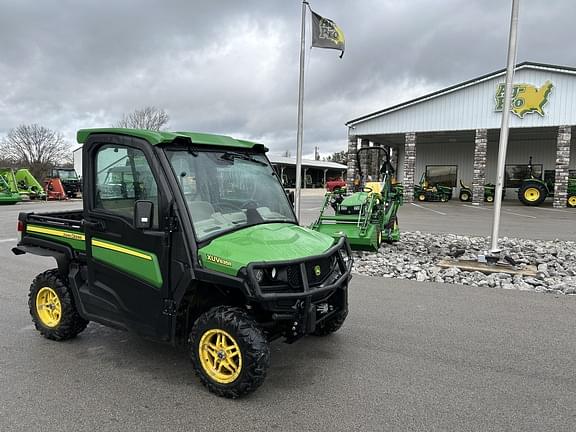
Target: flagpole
x=503, y=145
x=300, y=113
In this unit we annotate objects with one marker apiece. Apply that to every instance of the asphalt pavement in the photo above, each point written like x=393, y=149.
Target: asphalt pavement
x=411, y=357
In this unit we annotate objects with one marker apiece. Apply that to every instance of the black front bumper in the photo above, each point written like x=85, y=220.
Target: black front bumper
x=306, y=292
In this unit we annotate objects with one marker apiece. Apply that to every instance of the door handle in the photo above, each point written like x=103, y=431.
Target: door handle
x=93, y=225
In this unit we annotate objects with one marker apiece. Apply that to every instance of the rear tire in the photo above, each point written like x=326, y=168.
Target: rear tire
x=465, y=196
x=52, y=307
x=331, y=325
x=229, y=352
x=532, y=193
x=571, y=201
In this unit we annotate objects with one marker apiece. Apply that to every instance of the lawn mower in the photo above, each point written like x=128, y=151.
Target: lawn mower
x=367, y=217
x=489, y=192
x=424, y=191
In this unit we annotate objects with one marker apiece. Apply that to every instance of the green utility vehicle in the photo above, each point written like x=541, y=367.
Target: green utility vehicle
x=489, y=192
x=69, y=179
x=28, y=184
x=196, y=245
x=424, y=191
x=533, y=191
x=367, y=217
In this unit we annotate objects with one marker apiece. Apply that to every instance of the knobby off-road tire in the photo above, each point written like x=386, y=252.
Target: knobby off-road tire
x=532, y=194
x=229, y=352
x=52, y=307
x=331, y=325
x=465, y=196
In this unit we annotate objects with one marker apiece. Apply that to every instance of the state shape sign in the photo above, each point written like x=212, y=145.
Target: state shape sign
x=526, y=98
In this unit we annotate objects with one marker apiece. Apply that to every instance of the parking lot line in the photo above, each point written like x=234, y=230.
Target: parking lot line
x=426, y=208
x=8, y=240
x=476, y=207
x=519, y=214
x=555, y=210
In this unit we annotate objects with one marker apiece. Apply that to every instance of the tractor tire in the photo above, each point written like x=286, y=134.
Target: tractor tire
x=422, y=197
x=229, y=352
x=571, y=201
x=52, y=307
x=532, y=194
x=465, y=196
x=331, y=325
x=489, y=198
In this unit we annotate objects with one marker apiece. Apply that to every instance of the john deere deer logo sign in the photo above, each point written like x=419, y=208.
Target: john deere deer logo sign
x=526, y=98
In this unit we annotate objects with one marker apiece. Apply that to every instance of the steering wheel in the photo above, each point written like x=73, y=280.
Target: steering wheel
x=249, y=204
x=366, y=189
x=224, y=205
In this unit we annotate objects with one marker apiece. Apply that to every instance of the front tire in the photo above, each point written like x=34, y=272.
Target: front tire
x=52, y=307
x=229, y=352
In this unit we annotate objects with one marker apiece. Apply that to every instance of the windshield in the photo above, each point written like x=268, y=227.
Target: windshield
x=67, y=174
x=227, y=190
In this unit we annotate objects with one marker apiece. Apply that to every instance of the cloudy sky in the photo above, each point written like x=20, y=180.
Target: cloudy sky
x=231, y=66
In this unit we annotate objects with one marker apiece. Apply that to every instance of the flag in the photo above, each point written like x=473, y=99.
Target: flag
x=326, y=34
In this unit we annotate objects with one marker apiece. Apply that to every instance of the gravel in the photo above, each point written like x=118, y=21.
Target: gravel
x=416, y=256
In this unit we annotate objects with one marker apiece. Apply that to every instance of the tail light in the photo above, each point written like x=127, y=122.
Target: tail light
x=20, y=226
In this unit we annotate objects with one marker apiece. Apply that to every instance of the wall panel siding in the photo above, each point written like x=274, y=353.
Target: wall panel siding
x=473, y=107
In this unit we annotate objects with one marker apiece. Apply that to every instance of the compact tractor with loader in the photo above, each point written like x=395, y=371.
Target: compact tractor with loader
x=186, y=238
x=367, y=217
x=425, y=191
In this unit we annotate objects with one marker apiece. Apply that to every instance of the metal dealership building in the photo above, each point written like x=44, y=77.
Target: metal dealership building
x=452, y=135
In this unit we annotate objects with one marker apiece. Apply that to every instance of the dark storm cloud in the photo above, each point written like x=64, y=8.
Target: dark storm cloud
x=232, y=66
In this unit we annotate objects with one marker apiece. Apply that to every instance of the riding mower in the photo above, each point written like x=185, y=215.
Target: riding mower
x=489, y=192
x=424, y=191
x=7, y=194
x=533, y=191
x=367, y=217
x=28, y=184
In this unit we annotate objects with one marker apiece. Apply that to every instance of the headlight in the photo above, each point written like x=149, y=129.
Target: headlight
x=273, y=273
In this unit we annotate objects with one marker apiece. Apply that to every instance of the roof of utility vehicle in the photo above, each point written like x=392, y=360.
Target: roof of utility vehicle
x=162, y=137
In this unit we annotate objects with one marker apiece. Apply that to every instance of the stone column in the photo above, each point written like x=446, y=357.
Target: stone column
x=364, y=162
x=562, y=166
x=479, y=175
x=409, y=165
x=352, y=148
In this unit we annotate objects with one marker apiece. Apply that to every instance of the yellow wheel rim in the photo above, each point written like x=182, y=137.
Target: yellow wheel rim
x=489, y=198
x=48, y=307
x=464, y=197
x=572, y=201
x=421, y=197
x=220, y=356
x=532, y=194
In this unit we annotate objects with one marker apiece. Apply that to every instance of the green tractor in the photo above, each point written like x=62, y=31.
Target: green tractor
x=27, y=184
x=425, y=191
x=489, y=192
x=367, y=217
x=533, y=191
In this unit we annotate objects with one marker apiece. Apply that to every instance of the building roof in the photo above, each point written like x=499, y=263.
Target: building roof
x=154, y=137
x=306, y=162
x=519, y=66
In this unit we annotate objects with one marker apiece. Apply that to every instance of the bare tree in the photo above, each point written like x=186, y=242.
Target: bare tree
x=150, y=118
x=35, y=147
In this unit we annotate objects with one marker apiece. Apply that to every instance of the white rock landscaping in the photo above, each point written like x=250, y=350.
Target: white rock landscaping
x=416, y=256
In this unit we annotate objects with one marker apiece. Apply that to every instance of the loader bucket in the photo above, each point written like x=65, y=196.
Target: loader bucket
x=367, y=241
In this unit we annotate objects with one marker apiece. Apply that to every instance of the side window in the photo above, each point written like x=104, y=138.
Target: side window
x=123, y=177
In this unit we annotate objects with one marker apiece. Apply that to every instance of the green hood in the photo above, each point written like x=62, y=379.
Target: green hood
x=259, y=243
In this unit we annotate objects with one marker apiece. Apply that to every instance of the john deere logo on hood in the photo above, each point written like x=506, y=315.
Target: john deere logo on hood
x=526, y=98
x=317, y=270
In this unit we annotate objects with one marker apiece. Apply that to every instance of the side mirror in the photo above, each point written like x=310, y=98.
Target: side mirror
x=143, y=213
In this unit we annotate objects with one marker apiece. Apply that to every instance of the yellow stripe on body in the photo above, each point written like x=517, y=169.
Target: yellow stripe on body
x=99, y=243
x=54, y=232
